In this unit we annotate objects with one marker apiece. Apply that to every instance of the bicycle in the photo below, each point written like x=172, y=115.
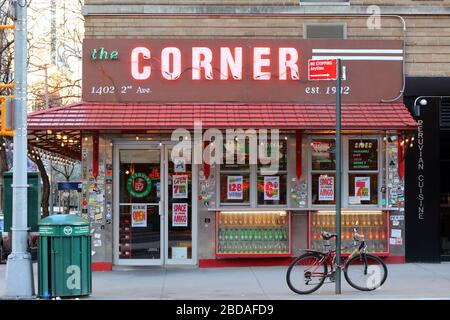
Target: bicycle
x=308, y=272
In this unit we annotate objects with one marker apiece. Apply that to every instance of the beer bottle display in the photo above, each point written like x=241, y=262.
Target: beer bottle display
x=373, y=225
x=264, y=233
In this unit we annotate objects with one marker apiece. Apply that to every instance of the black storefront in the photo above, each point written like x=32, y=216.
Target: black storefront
x=427, y=184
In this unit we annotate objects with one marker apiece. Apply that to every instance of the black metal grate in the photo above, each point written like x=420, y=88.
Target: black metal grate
x=445, y=113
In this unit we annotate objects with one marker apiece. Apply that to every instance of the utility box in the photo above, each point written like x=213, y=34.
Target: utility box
x=64, y=256
x=34, y=201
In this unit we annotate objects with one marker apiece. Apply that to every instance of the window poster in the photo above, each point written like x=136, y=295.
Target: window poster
x=271, y=188
x=179, y=164
x=326, y=188
x=362, y=188
x=180, y=186
x=139, y=215
x=235, y=188
x=179, y=214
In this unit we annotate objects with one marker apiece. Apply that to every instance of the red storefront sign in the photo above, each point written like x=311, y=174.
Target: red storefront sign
x=322, y=69
x=236, y=70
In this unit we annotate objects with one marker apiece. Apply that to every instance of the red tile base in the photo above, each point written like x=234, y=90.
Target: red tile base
x=267, y=262
x=101, y=266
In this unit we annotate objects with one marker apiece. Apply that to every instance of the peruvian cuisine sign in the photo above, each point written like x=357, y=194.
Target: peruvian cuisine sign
x=238, y=70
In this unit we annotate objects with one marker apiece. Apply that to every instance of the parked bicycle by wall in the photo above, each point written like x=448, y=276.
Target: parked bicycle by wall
x=362, y=270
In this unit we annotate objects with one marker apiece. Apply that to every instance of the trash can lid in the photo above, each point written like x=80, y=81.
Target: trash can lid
x=63, y=219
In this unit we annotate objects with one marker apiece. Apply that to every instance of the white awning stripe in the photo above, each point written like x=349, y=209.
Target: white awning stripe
x=384, y=51
x=385, y=58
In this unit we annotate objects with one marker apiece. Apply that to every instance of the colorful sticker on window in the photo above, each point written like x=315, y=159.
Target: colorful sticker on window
x=179, y=164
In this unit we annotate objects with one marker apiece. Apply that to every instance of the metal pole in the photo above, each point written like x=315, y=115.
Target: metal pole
x=338, y=176
x=51, y=164
x=19, y=272
x=51, y=188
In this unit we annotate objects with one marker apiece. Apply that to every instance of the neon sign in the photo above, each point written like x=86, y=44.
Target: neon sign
x=156, y=70
x=231, y=63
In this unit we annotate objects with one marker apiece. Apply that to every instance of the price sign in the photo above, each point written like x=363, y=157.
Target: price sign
x=326, y=188
x=180, y=186
x=272, y=188
x=235, y=188
x=139, y=215
x=179, y=215
x=362, y=188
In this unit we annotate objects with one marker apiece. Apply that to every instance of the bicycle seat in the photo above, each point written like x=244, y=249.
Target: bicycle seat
x=328, y=236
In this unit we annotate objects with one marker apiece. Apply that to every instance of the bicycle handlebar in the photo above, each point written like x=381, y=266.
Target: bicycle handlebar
x=356, y=235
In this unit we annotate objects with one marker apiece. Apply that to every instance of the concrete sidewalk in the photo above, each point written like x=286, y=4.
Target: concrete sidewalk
x=405, y=281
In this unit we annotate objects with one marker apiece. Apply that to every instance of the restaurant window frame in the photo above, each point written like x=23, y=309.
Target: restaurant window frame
x=345, y=172
x=312, y=172
x=253, y=171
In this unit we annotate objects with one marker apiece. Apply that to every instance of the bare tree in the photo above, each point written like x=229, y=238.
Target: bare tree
x=61, y=86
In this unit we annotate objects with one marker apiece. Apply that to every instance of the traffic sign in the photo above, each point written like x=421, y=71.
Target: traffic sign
x=322, y=69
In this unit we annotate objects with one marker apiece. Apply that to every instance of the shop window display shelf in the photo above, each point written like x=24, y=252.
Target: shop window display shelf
x=253, y=234
x=374, y=225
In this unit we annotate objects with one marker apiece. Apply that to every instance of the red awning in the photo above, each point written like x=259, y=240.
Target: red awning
x=93, y=116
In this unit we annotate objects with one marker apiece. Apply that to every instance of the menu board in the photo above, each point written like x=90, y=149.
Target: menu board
x=363, y=154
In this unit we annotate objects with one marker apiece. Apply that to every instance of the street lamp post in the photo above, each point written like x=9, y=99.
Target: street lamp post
x=19, y=272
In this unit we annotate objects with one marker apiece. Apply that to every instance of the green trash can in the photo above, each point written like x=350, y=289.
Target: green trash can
x=64, y=256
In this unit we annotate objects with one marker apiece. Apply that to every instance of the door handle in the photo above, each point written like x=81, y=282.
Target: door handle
x=160, y=204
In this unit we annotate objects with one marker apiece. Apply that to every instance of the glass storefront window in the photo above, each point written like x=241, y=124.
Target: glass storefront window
x=180, y=224
x=363, y=154
x=238, y=181
x=272, y=146
x=363, y=171
x=237, y=160
x=323, y=154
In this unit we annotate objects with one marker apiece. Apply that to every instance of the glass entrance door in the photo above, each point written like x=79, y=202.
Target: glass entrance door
x=154, y=212
x=139, y=218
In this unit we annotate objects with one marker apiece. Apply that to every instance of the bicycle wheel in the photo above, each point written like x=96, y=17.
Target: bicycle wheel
x=365, y=272
x=306, y=273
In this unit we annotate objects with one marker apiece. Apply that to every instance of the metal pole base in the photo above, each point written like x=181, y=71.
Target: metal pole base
x=19, y=276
